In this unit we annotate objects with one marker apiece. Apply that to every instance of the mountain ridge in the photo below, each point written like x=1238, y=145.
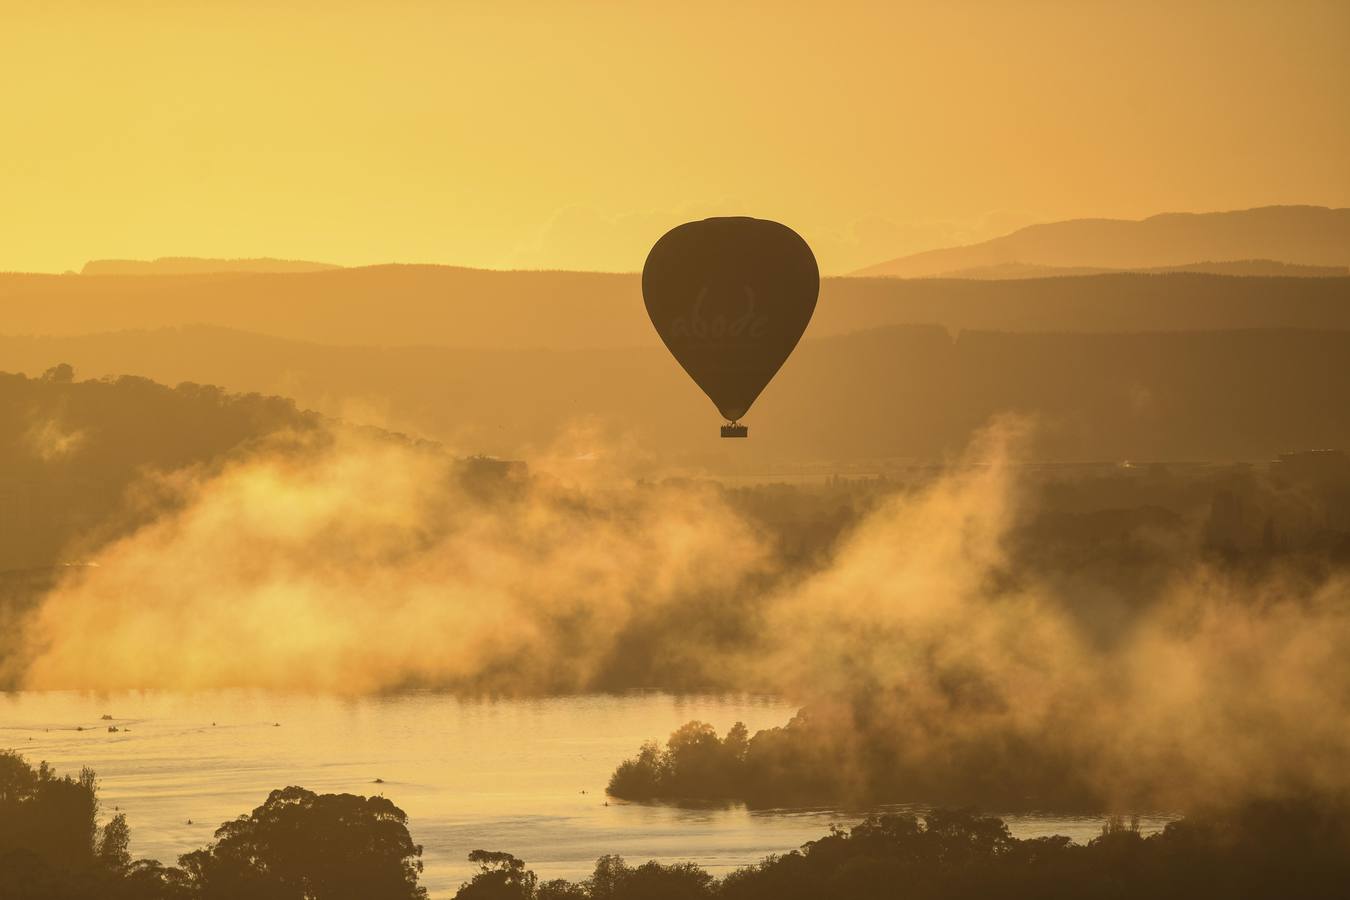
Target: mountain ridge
x=1300, y=235
x=200, y=265
x=1268, y=268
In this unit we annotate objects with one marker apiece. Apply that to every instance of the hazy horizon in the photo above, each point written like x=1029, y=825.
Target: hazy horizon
x=210, y=264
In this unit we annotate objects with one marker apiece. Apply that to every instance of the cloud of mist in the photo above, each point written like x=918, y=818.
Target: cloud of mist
x=375, y=565
x=924, y=639
x=49, y=440
x=371, y=565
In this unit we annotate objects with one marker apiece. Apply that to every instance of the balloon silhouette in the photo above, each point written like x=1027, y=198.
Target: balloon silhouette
x=730, y=298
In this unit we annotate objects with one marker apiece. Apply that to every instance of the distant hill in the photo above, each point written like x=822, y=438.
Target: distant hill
x=1244, y=267
x=192, y=265
x=1301, y=235
x=444, y=306
x=913, y=392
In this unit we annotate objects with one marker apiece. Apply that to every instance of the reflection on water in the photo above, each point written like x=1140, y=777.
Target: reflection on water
x=527, y=776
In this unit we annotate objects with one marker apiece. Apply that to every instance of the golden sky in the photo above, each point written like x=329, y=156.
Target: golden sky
x=572, y=134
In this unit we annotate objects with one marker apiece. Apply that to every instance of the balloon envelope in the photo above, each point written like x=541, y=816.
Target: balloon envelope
x=730, y=298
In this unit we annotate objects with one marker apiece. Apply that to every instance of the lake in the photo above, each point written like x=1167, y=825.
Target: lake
x=525, y=776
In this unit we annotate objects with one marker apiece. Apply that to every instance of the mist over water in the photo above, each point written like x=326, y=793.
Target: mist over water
x=371, y=566
x=920, y=640
x=926, y=637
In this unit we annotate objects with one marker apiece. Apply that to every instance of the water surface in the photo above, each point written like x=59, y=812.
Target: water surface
x=525, y=776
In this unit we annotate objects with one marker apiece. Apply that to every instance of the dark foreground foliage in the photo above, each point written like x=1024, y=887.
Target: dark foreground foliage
x=305, y=846
x=51, y=847
x=1264, y=850
x=297, y=846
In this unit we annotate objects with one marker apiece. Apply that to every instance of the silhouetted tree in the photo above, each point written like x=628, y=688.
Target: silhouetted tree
x=561, y=889
x=62, y=373
x=501, y=877
x=51, y=817
x=1289, y=848
x=113, y=847
x=47, y=846
x=305, y=846
x=695, y=763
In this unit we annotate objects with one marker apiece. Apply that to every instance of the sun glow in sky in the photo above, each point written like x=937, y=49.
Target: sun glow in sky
x=572, y=134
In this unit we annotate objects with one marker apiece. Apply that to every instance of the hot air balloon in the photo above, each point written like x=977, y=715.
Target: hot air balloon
x=730, y=298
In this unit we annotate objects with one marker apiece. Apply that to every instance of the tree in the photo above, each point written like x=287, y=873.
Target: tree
x=17, y=778
x=639, y=778
x=653, y=881
x=501, y=876
x=305, y=846
x=47, y=845
x=113, y=849
x=62, y=373
x=561, y=889
x=695, y=763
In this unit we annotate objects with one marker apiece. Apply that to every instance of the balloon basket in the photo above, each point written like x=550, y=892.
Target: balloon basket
x=735, y=430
